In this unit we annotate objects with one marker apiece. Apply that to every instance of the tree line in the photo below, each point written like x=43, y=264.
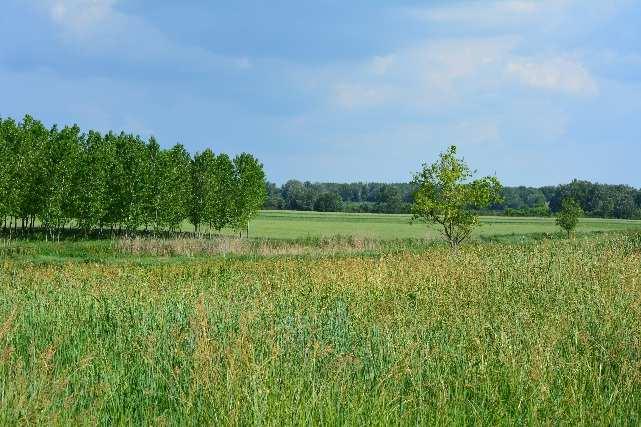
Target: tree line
x=61, y=177
x=596, y=200
x=336, y=197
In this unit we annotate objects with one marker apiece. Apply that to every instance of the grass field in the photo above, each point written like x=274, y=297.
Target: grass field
x=537, y=333
x=297, y=328
x=289, y=225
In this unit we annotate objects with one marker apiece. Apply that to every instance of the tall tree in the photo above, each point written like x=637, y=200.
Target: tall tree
x=249, y=190
x=126, y=204
x=29, y=182
x=152, y=182
x=61, y=154
x=91, y=181
x=220, y=207
x=5, y=156
x=203, y=169
x=175, y=187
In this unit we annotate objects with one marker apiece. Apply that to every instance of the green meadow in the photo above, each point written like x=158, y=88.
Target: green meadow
x=293, y=225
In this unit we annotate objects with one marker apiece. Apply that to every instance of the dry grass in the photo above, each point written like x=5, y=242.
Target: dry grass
x=192, y=247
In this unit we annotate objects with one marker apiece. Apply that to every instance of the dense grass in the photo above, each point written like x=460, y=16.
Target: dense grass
x=497, y=333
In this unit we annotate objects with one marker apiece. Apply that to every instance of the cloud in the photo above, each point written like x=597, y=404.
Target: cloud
x=551, y=20
x=510, y=13
x=556, y=74
x=451, y=72
x=81, y=16
x=423, y=76
x=98, y=30
x=445, y=69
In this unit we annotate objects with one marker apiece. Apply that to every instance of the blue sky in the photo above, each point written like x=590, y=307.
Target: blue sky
x=536, y=92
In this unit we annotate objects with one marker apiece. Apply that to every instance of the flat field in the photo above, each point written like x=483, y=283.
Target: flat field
x=543, y=332
x=291, y=225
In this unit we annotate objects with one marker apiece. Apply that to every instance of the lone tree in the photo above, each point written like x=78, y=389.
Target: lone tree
x=446, y=195
x=569, y=215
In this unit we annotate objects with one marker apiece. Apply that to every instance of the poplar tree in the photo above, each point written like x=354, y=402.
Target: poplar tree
x=203, y=169
x=29, y=184
x=249, y=190
x=5, y=157
x=61, y=152
x=91, y=182
x=11, y=164
x=152, y=179
x=220, y=204
x=61, y=175
x=175, y=187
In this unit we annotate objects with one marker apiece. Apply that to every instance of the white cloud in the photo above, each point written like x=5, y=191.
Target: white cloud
x=537, y=18
x=447, y=71
x=98, y=28
x=558, y=74
x=80, y=16
x=491, y=13
x=423, y=76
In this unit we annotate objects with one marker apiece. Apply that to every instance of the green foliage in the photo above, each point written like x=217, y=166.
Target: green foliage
x=596, y=200
x=5, y=171
x=221, y=205
x=328, y=202
x=203, y=171
x=568, y=218
x=60, y=160
x=537, y=211
x=389, y=200
x=249, y=189
x=174, y=187
x=90, y=194
x=446, y=196
x=61, y=178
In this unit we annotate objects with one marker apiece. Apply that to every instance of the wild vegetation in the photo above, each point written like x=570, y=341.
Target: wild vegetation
x=538, y=333
x=61, y=178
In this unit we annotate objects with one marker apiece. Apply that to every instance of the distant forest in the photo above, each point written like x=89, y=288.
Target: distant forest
x=597, y=200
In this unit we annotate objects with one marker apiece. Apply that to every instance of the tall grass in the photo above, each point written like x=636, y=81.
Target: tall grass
x=493, y=334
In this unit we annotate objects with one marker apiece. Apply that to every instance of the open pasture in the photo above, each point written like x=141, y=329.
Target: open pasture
x=290, y=225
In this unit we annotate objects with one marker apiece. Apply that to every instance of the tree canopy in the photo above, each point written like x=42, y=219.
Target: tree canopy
x=568, y=218
x=447, y=196
x=64, y=177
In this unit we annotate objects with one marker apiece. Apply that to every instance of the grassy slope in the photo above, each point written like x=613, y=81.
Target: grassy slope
x=541, y=333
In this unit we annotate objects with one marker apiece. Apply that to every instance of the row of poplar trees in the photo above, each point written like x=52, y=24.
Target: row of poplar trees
x=57, y=178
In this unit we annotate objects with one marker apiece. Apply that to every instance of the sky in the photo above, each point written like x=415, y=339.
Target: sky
x=534, y=92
